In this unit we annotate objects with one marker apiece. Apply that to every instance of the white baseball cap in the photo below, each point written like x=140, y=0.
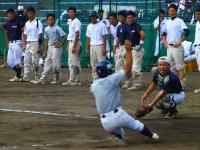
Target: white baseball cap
x=164, y=59
x=20, y=8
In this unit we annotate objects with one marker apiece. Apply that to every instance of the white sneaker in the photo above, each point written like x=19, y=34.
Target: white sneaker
x=25, y=79
x=135, y=87
x=197, y=91
x=15, y=79
x=126, y=85
x=40, y=81
x=155, y=136
x=54, y=82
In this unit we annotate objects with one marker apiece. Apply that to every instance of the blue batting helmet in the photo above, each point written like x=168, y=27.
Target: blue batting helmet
x=104, y=68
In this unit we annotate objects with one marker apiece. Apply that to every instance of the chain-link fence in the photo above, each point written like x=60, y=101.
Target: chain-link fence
x=146, y=12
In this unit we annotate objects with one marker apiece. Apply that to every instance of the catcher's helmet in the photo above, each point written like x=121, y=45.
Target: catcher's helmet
x=93, y=13
x=104, y=68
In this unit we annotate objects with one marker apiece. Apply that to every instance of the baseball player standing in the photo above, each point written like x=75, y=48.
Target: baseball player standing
x=158, y=24
x=136, y=37
x=74, y=48
x=96, y=42
x=197, y=41
x=13, y=29
x=54, y=37
x=107, y=24
x=171, y=93
x=122, y=35
x=107, y=95
x=113, y=30
x=20, y=15
x=174, y=33
x=32, y=44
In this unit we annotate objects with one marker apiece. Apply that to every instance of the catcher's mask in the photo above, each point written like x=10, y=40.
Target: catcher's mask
x=104, y=68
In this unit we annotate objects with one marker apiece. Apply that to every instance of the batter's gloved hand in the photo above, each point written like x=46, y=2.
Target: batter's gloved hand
x=142, y=111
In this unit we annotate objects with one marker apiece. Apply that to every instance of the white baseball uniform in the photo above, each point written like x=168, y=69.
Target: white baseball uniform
x=197, y=43
x=53, y=34
x=107, y=95
x=74, y=58
x=31, y=57
x=113, y=32
x=107, y=24
x=159, y=31
x=174, y=29
x=96, y=32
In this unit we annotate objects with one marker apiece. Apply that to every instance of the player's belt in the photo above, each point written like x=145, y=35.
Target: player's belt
x=13, y=41
x=114, y=111
x=171, y=44
x=196, y=45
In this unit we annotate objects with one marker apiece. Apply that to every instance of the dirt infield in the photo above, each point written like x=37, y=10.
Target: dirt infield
x=55, y=117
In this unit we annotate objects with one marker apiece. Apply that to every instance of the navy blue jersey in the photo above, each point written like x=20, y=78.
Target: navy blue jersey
x=122, y=33
x=13, y=29
x=134, y=34
x=22, y=18
x=170, y=82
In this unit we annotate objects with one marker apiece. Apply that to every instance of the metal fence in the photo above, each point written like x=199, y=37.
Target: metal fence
x=146, y=10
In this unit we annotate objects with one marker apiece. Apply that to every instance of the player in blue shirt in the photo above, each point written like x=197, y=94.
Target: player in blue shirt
x=171, y=92
x=13, y=29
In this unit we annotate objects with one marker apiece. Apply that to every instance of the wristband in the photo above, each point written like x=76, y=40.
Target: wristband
x=141, y=42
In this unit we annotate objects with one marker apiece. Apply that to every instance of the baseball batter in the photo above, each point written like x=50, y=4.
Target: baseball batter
x=54, y=37
x=32, y=44
x=13, y=29
x=107, y=95
x=74, y=48
x=96, y=42
x=197, y=42
x=174, y=33
x=170, y=94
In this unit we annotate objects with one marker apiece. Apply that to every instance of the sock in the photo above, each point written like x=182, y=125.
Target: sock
x=18, y=72
x=14, y=68
x=146, y=132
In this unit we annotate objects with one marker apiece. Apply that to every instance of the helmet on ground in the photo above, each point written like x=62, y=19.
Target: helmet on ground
x=104, y=68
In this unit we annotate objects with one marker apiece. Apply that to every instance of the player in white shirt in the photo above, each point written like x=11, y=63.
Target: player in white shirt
x=107, y=24
x=54, y=37
x=174, y=33
x=32, y=44
x=197, y=41
x=74, y=48
x=181, y=7
x=96, y=42
x=158, y=24
x=108, y=102
x=113, y=31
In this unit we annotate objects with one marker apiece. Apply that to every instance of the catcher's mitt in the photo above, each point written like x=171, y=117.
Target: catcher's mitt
x=142, y=111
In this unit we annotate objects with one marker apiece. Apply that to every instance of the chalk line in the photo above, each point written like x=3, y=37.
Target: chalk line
x=49, y=113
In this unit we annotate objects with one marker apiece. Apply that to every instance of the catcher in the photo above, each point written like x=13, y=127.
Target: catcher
x=170, y=94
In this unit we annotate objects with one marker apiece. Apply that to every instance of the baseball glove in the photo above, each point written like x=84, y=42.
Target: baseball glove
x=142, y=111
